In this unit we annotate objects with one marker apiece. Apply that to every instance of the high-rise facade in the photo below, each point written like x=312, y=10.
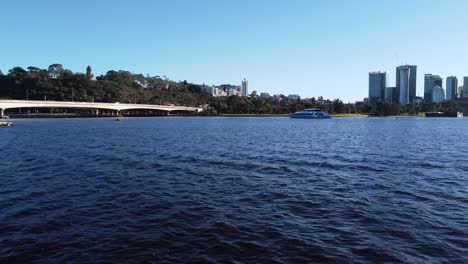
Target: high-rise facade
x=403, y=85
x=378, y=81
x=438, y=94
x=244, y=88
x=430, y=81
x=460, y=92
x=451, y=87
x=389, y=91
x=411, y=70
x=465, y=88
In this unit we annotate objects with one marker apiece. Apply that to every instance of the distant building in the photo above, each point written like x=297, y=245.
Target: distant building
x=230, y=89
x=244, y=88
x=403, y=86
x=410, y=72
x=465, y=88
x=389, y=94
x=378, y=82
x=211, y=90
x=265, y=95
x=430, y=81
x=294, y=97
x=460, y=92
x=215, y=91
x=451, y=88
x=438, y=94
x=418, y=100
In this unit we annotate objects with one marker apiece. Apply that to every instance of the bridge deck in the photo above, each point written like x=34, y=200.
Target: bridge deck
x=9, y=104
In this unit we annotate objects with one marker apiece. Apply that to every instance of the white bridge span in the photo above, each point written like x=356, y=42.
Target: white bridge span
x=11, y=104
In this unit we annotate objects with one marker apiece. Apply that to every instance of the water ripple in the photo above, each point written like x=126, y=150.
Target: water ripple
x=234, y=190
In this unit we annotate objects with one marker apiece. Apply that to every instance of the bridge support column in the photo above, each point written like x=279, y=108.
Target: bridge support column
x=2, y=112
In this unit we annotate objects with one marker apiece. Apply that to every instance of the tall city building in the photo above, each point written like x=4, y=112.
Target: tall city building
x=438, y=94
x=430, y=81
x=460, y=91
x=451, y=87
x=244, y=88
x=378, y=82
x=465, y=88
x=403, y=85
x=411, y=70
x=389, y=91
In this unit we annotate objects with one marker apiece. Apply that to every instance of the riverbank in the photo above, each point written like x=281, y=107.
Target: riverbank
x=287, y=115
x=350, y=115
x=19, y=116
x=255, y=115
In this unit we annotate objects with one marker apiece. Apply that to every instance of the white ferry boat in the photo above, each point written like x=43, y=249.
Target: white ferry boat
x=311, y=113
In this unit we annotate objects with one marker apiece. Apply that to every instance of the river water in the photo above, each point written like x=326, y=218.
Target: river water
x=234, y=190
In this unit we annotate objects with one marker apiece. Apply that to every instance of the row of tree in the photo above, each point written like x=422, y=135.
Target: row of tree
x=58, y=83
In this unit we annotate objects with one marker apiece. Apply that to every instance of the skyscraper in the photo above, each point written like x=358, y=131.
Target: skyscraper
x=437, y=94
x=451, y=88
x=244, y=88
x=412, y=76
x=465, y=88
x=460, y=91
x=429, y=82
x=403, y=86
x=389, y=91
x=378, y=81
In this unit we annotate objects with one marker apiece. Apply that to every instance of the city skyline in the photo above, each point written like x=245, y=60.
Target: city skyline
x=405, y=91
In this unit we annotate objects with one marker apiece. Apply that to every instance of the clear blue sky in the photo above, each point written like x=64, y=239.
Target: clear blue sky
x=309, y=47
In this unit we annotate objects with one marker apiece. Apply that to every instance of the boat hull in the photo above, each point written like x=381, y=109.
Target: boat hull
x=444, y=114
x=309, y=117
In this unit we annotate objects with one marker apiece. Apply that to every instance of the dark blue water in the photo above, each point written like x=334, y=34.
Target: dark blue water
x=239, y=190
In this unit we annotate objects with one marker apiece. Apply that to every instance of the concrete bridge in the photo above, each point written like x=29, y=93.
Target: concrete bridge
x=117, y=107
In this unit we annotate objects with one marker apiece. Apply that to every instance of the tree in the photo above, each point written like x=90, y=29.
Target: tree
x=33, y=69
x=89, y=73
x=385, y=109
x=1, y=73
x=67, y=74
x=411, y=109
x=55, y=70
x=17, y=73
x=338, y=106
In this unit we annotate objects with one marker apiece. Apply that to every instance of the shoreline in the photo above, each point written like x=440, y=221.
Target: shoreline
x=73, y=116
x=286, y=115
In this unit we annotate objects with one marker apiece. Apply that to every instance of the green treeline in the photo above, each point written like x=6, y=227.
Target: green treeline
x=60, y=84
x=57, y=83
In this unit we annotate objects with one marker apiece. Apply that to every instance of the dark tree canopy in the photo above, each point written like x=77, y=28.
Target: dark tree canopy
x=89, y=73
x=33, y=69
x=55, y=70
